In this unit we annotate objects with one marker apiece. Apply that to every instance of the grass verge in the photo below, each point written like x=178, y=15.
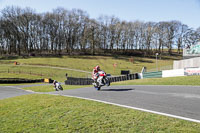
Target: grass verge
x=185, y=80
x=47, y=113
x=48, y=88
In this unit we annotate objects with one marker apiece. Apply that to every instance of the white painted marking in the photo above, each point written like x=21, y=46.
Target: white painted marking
x=125, y=106
x=140, y=109
x=183, y=95
x=15, y=87
x=30, y=91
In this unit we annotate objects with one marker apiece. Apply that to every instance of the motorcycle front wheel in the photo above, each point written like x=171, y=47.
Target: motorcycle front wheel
x=98, y=88
x=107, y=81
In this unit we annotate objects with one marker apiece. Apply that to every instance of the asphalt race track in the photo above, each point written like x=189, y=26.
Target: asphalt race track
x=181, y=101
x=11, y=91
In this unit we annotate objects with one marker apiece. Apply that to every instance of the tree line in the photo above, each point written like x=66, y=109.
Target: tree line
x=23, y=31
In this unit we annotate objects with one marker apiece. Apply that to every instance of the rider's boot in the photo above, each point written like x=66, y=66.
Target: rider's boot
x=101, y=83
x=95, y=82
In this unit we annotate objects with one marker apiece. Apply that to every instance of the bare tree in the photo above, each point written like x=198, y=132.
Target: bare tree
x=23, y=31
x=182, y=30
x=191, y=37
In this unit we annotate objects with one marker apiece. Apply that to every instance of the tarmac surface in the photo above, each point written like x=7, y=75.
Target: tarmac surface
x=183, y=101
x=11, y=91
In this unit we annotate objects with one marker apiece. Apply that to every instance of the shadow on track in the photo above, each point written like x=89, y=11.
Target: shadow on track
x=117, y=89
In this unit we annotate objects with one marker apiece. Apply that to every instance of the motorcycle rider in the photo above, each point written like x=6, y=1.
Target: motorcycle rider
x=54, y=84
x=57, y=85
x=95, y=74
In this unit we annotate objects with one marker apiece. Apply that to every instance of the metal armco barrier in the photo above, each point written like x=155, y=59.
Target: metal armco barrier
x=89, y=81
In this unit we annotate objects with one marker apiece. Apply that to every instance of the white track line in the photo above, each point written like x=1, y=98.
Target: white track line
x=140, y=109
x=120, y=105
x=15, y=87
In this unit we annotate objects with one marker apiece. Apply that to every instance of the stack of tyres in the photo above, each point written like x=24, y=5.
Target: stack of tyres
x=78, y=81
x=88, y=81
x=18, y=80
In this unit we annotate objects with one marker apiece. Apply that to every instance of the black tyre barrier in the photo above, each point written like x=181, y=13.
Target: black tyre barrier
x=18, y=80
x=118, y=79
x=125, y=72
x=78, y=81
x=111, y=79
x=89, y=81
x=123, y=78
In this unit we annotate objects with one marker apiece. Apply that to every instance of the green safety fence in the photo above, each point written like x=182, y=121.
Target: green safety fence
x=157, y=74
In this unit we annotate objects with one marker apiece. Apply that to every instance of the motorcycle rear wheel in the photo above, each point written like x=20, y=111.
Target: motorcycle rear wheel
x=61, y=88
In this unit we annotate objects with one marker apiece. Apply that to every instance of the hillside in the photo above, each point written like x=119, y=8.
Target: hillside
x=80, y=66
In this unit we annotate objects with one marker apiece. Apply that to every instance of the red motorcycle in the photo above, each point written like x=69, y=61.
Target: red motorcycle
x=102, y=80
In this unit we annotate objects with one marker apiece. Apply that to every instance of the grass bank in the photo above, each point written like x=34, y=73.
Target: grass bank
x=31, y=72
x=47, y=113
x=84, y=63
x=185, y=80
x=49, y=88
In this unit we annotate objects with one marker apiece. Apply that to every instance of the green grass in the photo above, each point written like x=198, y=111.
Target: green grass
x=19, y=75
x=46, y=113
x=185, y=80
x=87, y=63
x=48, y=88
x=38, y=72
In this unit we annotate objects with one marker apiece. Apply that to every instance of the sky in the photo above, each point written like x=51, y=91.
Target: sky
x=186, y=11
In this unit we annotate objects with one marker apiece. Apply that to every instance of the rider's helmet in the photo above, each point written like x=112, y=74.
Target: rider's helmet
x=97, y=68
